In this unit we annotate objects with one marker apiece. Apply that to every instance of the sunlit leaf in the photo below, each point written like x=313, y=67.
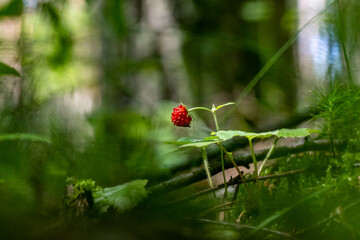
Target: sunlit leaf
x=191, y=142
x=300, y=132
x=184, y=140
x=211, y=138
x=226, y=135
x=7, y=70
x=203, y=143
x=282, y=133
x=123, y=197
x=24, y=136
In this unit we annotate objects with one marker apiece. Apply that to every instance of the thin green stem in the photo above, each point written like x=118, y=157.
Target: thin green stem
x=206, y=166
x=223, y=169
x=199, y=108
x=215, y=119
x=268, y=155
x=213, y=111
x=236, y=167
x=254, y=160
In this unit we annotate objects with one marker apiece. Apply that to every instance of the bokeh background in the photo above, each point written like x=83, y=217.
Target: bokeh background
x=100, y=79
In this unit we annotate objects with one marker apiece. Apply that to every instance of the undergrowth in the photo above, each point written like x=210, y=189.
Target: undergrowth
x=308, y=195
x=330, y=213
x=311, y=195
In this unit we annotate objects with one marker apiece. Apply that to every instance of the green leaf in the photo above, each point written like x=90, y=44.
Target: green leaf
x=7, y=70
x=203, y=143
x=185, y=140
x=224, y=105
x=226, y=135
x=300, y=132
x=191, y=142
x=211, y=138
x=282, y=133
x=123, y=197
x=200, y=144
x=24, y=136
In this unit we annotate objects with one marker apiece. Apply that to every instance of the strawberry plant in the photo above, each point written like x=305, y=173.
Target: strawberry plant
x=296, y=180
x=220, y=136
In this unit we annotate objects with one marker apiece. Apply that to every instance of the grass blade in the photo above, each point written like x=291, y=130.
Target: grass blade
x=24, y=136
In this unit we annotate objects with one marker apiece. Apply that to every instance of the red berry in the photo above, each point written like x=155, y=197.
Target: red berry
x=180, y=116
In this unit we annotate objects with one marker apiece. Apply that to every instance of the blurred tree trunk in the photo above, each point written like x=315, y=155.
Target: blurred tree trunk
x=284, y=70
x=223, y=52
x=116, y=91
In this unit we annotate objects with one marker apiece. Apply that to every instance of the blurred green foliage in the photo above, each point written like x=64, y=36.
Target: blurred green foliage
x=99, y=80
x=11, y=8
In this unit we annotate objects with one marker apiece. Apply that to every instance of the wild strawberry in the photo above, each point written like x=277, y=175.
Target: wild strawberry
x=180, y=116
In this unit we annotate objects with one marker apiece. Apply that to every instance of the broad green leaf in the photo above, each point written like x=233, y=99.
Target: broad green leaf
x=300, y=132
x=123, y=197
x=184, y=140
x=191, y=142
x=226, y=135
x=224, y=105
x=313, y=130
x=282, y=133
x=24, y=136
x=187, y=139
x=7, y=70
x=201, y=144
x=211, y=138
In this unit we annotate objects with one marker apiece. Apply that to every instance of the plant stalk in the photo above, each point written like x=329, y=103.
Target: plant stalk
x=236, y=167
x=215, y=119
x=199, y=108
x=206, y=166
x=213, y=111
x=268, y=155
x=254, y=161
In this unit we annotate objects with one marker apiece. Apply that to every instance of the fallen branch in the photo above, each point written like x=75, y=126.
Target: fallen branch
x=240, y=159
x=235, y=181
